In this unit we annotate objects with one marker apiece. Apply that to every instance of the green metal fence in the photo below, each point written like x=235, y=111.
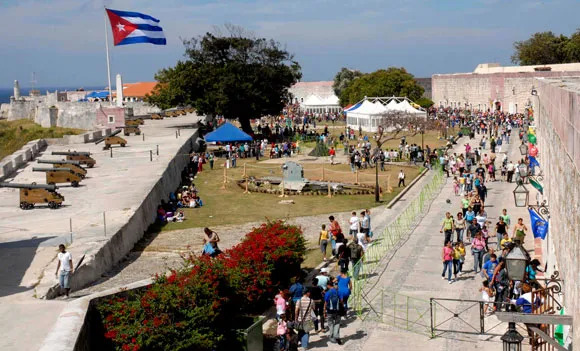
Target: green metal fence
x=360, y=300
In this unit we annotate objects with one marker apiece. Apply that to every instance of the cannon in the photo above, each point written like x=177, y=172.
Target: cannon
x=60, y=175
x=156, y=116
x=31, y=194
x=74, y=165
x=128, y=129
x=112, y=139
x=82, y=156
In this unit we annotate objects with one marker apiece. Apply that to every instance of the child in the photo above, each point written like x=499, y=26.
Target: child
x=458, y=258
x=487, y=296
x=455, y=186
x=280, y=303
x=281, y=332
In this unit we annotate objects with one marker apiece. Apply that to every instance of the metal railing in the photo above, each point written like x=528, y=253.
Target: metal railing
x=381, y=245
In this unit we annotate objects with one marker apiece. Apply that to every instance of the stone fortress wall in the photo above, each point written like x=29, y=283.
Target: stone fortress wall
x=491, y=83
x=51, y=111
x=558, y=130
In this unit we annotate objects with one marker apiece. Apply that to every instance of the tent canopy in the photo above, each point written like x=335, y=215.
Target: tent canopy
x=97, y=95
x=227, y=133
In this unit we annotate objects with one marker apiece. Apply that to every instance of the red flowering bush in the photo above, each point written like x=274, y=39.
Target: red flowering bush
x=193, y=308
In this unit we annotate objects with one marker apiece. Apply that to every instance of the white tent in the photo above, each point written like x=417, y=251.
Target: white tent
x=317, y=104
x=369, y=115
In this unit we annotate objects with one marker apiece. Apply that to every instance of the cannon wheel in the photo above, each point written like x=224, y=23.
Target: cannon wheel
x=126, y=134
x=52, y=205
x=137, y=133
x=24, y=205
x=90, y=165
x=74, y=183
x=123, y=145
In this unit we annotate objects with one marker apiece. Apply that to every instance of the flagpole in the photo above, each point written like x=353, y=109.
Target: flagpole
x=108, y=59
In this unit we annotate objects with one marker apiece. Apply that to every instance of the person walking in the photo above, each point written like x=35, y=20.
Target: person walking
x=344, y=287
x=447, y=226
x=323, y=241
x=477, y=249
x=332, y=308
x=459, y=226
x=447, y=258
x=64, y=269
x=303, y=318
x=317, y=296
x=356, y=251
x=401, y=179
x=354, y=225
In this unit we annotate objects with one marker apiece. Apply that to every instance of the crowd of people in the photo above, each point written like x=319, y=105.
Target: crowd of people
x=471, y=227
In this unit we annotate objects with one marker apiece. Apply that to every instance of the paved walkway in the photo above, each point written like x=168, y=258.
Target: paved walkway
x=414, y=270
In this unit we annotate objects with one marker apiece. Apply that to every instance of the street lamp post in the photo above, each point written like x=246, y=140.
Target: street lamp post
x=523, y=149
x=521, y=195
x=512, y=340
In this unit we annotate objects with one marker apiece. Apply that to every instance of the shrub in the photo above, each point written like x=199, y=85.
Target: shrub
x=193, y=308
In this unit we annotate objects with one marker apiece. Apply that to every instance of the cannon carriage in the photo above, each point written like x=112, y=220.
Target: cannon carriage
x=32, y=194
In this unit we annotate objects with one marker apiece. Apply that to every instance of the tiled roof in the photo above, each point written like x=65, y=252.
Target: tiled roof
x=139, y=89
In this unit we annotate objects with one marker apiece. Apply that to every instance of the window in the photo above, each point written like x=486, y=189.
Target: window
x=111, y=118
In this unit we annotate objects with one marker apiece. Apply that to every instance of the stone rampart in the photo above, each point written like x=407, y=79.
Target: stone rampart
x=558, y=131
x=20, y=158
x=121, y=242
x=481, y=91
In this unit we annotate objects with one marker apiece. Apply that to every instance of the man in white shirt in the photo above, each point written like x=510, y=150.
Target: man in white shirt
x=64, y=269
x=401, y=178
x=354, y=225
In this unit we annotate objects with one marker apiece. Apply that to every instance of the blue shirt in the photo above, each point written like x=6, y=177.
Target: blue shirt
x=469, y=216
x=489, y=266
x=297, y=290
x=329, y=294
x=531, y=272
x=343, y=283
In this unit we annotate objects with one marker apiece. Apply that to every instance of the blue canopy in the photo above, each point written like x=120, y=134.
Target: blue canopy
x=227, y=133
x=352, y=108
x=97, y=95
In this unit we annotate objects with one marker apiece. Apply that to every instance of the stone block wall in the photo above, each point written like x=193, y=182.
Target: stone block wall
x=558, y=131
x=18, y=159
x=480, y=91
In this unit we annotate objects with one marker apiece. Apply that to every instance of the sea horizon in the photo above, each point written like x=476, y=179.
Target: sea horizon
x=6, y=93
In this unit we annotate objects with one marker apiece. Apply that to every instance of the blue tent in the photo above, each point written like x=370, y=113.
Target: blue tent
x=97, y=95
x=227, y=133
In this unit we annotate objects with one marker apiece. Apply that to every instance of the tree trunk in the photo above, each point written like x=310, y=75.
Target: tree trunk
x=246, y=125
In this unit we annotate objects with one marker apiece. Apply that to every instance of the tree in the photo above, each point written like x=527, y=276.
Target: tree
x=390, y=82
x=572, y=47
x=544, y=48
x=424, y=102
x=343, y=79
x=236, y=75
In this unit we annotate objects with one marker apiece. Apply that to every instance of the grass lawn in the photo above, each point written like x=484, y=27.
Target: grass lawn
x=15, y=134
x=232, y=206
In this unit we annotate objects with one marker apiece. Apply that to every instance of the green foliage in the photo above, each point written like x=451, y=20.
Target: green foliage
x=544, y=48
x=197, y=307
x=319, y=150
x=343, y=79
x=237, y=76
x=390, y=82
x=15, y=134
x=424, y=102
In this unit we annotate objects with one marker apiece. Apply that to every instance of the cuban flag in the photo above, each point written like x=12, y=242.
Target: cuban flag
x=134, y=27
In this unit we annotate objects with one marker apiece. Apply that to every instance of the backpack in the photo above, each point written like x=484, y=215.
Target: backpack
x=333, y=303
x=354, y=251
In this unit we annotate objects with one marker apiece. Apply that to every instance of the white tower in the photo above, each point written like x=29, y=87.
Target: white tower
x=119, y=91
x=16, y=90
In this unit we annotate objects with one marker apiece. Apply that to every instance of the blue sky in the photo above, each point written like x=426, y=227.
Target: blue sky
x=63, y=40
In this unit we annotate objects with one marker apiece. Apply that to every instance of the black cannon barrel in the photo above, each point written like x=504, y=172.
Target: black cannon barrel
x=62, y=169
x=71, y=153
x=29, y=186
x=67, y=162
x=116, y=132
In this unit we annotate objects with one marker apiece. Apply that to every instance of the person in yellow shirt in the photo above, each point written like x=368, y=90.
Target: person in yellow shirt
x=506, y=239
x=323, y=241
x=458, y=258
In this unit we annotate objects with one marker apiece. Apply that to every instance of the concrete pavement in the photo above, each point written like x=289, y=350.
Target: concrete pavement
x=414, y=272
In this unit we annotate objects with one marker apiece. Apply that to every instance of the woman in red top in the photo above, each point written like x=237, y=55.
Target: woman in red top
x=447, y=258
x=335, y=230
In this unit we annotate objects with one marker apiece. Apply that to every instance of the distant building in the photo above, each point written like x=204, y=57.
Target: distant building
x=425, y=83
x=133, y=92
x=491, y=86
x=316, y=97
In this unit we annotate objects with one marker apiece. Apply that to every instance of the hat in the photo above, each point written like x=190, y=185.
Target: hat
x=324, y=270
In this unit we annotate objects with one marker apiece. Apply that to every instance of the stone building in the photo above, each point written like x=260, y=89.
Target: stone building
x=425, y=83
x=557, y=113
x=491, y=86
